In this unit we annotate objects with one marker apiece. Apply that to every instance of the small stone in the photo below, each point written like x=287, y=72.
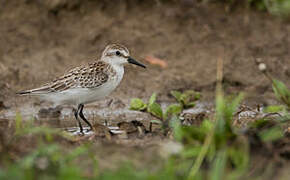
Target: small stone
x=127, y=126
x=262, y=67
x=132, y=127
x=189, y=119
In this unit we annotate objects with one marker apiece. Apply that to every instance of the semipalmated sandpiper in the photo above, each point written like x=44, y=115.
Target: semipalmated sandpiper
x=88, y=83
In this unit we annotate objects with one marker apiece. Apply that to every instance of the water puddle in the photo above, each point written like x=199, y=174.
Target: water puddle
x=86, y=130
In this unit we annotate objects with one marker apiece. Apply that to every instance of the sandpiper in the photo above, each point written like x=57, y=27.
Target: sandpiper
x=87, y=83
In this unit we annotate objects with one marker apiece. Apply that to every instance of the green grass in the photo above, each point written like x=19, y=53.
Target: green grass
x=275, y=7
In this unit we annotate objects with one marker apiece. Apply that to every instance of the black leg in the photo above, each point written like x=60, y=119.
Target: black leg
x=76, y=112
x=83, y=117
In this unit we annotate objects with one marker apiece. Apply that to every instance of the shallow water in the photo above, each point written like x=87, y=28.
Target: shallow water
x=86, y=130
x=100, y=112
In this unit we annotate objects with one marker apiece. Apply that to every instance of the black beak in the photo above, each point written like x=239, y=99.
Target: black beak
x=133, y=61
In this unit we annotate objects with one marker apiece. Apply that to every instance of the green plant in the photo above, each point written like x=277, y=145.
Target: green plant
x=154, y=108
x=210, y=143
x=278, y=7
x=274, y=7
x=259, y=4
x=185, y=100
x=48, y=161
x=274, y=109
x=281, y=91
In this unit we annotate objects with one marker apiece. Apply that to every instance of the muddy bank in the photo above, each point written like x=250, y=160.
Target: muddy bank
x=40, y=43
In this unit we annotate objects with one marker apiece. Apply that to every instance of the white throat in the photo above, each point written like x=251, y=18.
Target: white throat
x=117, y=65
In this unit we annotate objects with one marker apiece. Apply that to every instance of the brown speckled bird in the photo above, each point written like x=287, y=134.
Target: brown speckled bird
x=89, y=83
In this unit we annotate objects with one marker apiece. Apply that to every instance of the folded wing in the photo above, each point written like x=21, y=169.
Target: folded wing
x=91, y=76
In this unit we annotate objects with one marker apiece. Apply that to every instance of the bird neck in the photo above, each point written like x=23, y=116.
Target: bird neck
x=118, y=68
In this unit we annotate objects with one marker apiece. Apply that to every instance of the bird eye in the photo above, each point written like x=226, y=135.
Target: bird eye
x=118, y=53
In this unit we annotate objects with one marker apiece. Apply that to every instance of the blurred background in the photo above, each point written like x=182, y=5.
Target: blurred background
x=40, y=39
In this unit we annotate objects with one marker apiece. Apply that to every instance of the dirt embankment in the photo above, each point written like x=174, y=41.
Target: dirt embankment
x=41, y=39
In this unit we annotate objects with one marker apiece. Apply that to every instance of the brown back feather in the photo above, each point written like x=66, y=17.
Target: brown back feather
x=90, y=76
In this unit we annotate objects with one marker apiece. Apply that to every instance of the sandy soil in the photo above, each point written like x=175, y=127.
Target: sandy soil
x=42, y=39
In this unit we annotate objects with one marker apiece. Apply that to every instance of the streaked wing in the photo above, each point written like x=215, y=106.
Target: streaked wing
x=91, y=76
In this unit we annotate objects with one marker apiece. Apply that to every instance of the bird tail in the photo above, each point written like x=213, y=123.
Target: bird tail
x=35, y=91
x=24, y=92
